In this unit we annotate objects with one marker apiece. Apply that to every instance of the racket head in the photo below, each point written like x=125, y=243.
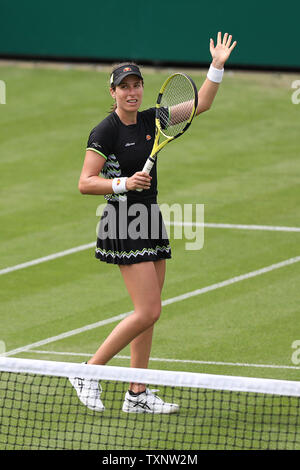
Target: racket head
x=176, y=105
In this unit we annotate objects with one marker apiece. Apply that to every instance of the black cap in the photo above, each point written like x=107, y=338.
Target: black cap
x=122, y=72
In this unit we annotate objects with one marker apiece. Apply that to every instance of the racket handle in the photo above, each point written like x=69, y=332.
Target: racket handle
x=148, y=165
x=147, y=168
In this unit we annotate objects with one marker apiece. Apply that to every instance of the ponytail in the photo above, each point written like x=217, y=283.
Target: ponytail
x=114, y=105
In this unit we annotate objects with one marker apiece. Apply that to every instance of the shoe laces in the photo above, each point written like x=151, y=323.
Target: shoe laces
x=94, y=385
x=151, y=394
x=91, y=384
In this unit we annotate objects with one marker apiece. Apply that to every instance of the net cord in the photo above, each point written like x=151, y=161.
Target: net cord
x=151, y=376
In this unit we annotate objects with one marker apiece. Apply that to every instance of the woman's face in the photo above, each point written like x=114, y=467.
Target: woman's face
x=128, y=94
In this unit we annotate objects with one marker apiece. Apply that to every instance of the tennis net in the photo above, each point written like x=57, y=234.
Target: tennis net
x=40, y=409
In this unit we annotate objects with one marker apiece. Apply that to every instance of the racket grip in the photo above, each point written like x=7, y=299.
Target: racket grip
x=148, y=165
x=147, y=168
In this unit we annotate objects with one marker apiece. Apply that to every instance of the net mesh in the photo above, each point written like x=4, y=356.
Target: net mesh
x=40, y=410
x=177, y=105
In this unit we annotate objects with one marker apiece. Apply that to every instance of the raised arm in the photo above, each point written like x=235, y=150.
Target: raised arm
x=220, y=54
x=206, y=95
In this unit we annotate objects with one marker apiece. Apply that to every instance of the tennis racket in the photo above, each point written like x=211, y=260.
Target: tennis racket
x=175, y=109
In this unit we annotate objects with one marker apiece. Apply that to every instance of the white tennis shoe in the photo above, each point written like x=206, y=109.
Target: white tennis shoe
x=147, y=402
x=88, y=391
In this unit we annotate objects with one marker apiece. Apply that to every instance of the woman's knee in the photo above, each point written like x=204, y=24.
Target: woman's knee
x=150, y=314
x=156, y=311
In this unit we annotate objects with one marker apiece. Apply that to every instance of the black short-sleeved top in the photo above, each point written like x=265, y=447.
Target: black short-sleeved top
x=126, y=149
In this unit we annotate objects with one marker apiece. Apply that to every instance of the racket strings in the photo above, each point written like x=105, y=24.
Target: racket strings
x=177, y=105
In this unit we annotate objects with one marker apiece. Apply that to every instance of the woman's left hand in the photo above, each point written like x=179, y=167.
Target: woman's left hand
x=221, y=52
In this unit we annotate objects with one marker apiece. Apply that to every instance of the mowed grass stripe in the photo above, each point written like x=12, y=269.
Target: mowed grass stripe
x=164, y=303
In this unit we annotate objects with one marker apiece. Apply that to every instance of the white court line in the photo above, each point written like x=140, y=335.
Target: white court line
x=183, y=361
x=47, y=258
x=92, y=244
x=164, y=303
x=238, y=226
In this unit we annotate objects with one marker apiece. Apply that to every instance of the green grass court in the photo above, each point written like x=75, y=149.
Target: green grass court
x=240, y=159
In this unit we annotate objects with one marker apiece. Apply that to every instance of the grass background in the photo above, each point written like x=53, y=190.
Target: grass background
x=240, y=159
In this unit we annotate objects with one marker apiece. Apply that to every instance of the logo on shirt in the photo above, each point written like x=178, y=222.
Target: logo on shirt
x=148, y=137
x=129, y=144
x=95, y=144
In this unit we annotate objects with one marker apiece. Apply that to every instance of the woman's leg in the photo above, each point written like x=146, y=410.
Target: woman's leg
x=141, y=280
x=140, y=346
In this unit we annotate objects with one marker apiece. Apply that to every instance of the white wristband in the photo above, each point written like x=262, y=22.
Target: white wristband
x=215, y=75
x=119, y=185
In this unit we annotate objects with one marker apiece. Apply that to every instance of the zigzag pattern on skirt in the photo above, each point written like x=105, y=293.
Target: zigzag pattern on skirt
x=125, y=254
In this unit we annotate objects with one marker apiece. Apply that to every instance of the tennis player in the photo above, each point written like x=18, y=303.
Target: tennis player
x=117, y=150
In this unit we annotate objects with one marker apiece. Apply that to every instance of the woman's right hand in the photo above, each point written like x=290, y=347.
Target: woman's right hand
x=140, y=180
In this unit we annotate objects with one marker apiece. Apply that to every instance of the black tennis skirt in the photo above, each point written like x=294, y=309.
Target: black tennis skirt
x=130, y=233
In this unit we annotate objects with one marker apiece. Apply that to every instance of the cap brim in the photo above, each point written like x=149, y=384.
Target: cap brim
x=124, y=75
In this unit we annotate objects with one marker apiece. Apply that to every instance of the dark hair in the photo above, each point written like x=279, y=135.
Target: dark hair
x=115, y=67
